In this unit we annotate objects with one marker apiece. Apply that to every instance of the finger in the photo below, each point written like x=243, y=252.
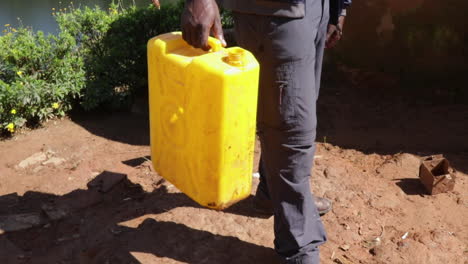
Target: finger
x=329, y=39
x=187, y=35
x=333, y=41
x=193, y=36
x=183, y=27
x=184, y=34
x=341, y=22
x=330, y=31
x=217, y=31
x=202, y=37
x=336, y=37
x=330, y=42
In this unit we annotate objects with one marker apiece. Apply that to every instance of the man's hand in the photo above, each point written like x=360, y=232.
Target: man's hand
x=156, y=4
x=199, y=18
x=334, y=33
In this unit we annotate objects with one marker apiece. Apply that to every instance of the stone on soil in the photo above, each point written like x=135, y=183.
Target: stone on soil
x=18, y=222
x=32, y=160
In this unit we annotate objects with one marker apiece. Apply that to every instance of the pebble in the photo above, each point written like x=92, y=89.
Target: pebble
x=345, y=247
x=33, y=159
x=377, y=251
x=18, y=222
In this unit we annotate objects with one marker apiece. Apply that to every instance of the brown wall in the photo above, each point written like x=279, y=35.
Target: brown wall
x=423, y=39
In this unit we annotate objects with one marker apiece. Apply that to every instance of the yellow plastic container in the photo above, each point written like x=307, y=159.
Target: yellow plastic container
x=202, y=118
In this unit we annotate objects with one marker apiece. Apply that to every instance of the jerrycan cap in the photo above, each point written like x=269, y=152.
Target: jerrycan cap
x=235, y=57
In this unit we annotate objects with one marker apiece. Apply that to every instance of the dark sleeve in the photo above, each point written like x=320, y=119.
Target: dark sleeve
x=346, y=3
x=336, y=9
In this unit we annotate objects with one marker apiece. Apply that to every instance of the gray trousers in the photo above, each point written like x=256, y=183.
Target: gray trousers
x=290, y=52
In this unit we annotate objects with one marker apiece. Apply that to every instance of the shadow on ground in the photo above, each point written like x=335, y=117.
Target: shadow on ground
x=126, y=127
x=411, y=186
x=367, y=113
x=86, y=226
x=371, y=114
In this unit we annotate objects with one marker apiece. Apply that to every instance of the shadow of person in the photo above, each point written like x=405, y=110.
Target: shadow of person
x=85, y=226
x=178, y=242
x=245, y=208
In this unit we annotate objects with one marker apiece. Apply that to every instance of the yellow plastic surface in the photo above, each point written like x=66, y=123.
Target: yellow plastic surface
x=202, y=118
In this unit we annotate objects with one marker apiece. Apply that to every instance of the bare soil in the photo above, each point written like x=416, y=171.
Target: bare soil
x=85, y=192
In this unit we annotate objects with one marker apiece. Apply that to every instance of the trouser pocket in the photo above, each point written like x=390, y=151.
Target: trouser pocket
x=287, y=91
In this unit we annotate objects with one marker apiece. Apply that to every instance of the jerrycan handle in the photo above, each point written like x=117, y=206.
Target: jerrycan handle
x=215, y=44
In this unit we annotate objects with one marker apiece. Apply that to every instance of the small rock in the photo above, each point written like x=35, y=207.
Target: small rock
x=371, y=243
x=38, y=169
x=318, y=162
x=346, y=226
x=345, y=247
x=345, y=260
x=405, y=235
x=403, y=244
x=54, y=213
x=54, y=161
x=33, y=159
x=49, y=152
x=377, y=251
x=334, y=172
x=18, y=222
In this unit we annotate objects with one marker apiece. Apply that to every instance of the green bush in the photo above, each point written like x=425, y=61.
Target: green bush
x=113, y=45
x=98, y=59
x=40, y=76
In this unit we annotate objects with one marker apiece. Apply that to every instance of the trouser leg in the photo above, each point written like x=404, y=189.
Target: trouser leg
x=290, y=53
x=262, y=189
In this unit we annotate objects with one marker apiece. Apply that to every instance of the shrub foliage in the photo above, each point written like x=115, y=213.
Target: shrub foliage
x=98, y=59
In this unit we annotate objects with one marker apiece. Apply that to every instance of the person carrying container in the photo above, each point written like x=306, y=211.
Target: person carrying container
x=288, y=38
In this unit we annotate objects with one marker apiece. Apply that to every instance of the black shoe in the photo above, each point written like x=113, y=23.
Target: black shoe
x=263, y=206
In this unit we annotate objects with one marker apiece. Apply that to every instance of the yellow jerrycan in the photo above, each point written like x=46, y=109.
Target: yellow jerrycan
x=202, y=118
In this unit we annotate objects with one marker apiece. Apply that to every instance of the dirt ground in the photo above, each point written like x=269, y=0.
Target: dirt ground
x=82, y=190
